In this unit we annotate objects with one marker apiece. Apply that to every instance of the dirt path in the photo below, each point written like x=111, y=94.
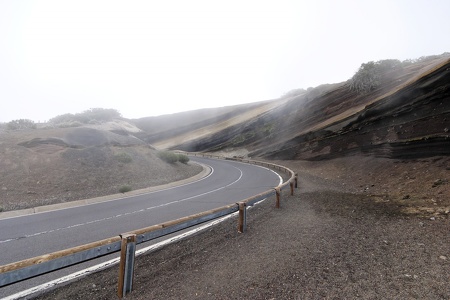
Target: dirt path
x=323, y=243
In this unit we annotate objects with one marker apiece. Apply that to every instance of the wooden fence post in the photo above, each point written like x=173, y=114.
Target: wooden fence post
x=278, y=194
x=126, y=267
x=242, y=222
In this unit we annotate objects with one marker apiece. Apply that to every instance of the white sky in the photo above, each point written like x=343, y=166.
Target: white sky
x=147, y=58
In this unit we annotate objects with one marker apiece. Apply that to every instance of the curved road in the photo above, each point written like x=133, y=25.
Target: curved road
x=32, y=235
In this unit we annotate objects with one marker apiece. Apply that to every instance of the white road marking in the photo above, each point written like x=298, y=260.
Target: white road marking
x=93, y=269
x=120, y=198
x=125, y=214
x=41, y=288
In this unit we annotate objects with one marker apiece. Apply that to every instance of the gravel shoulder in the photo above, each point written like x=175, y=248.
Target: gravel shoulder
x=328, y=241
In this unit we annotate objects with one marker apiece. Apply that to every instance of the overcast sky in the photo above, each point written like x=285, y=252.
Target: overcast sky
x=147, y=58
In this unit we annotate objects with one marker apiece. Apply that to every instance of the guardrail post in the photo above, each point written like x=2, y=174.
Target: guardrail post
x=126, y=267
x=278, y=194
x=291, y=183
x=242, y=223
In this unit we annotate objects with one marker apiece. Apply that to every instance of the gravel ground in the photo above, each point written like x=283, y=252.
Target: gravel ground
x=323, y=243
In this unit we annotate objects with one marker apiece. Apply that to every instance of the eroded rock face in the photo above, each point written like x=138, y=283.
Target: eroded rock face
x=407, y=117
x=411, y=123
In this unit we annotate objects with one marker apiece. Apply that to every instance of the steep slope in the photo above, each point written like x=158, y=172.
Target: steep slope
x=406, y=116
x=408, y=121
x=171, y=131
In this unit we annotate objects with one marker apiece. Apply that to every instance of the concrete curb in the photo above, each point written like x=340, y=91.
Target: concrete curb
x=29, y=211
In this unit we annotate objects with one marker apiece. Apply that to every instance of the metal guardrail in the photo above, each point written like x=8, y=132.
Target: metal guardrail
x=32, y=267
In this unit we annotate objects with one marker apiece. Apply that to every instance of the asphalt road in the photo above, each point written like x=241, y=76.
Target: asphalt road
x=32, y=235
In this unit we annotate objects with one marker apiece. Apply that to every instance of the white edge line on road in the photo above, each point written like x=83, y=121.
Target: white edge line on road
x=115, y=199
x=279, y=176
x=126, y=213
x=134, y=212
x=66, y=279
x=52, y=284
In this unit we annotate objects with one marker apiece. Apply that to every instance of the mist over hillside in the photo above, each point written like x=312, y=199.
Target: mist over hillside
x=388, y=109
x=372, y=158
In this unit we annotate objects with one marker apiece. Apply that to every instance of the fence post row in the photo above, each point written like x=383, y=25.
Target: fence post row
x=127, y=242
x=126, y=267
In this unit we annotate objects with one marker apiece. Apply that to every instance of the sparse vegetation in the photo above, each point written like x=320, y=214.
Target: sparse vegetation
x=168, y=156
x=171, y=157
x=90, y=116
x=370, y=74
x=268, y=128
x=125, y=188
x=184, y=159
x=21, y=124
x=243, y=137
x=431, y=57
x=238, y=140
x=123, y=158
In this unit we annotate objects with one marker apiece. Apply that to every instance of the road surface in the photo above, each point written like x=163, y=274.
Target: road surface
x=32, y=235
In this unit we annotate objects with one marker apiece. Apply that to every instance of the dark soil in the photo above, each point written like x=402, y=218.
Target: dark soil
x=326, y=242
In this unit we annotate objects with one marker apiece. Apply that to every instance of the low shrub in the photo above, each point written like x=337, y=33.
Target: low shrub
x=168, y=156
x=369, y=76
x=171, y=157
x=90, y=116
x=182, y=158
x=124, y=189
x=21, y=124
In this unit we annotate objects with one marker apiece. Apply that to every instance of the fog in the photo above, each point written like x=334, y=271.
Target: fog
x=149, y=58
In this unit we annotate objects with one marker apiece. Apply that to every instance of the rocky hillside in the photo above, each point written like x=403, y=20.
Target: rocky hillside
x=52, y=165
x=406, y=116
x=390, y=141
x=170, y=131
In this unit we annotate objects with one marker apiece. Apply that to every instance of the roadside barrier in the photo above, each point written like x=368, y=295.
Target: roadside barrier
x=126, y=242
